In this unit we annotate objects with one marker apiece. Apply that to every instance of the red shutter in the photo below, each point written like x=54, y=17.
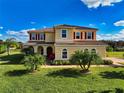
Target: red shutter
x=74, y=35
x=30, y=36
x=92, y=35
x=85, y=35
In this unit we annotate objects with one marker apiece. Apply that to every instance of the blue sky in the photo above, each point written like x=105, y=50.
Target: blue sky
x=19, y=16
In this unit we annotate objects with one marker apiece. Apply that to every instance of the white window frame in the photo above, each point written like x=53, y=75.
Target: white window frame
x=76, y=35
x=33, y=35
x=62, y=54
x=91, y=36
x=66, y=34
x=43, y=36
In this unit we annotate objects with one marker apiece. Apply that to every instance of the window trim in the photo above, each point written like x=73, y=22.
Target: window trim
x=76, y=36
x=33, y=35
x=87, y=35
x=62, y=54
x=66, y=34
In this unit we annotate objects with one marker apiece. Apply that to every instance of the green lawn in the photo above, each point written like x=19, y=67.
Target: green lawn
x=13, y=79
x=115, y=54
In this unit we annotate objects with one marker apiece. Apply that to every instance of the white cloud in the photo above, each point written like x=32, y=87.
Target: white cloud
x=33, y=23
x=103, y=23
x=1, y=27
x=116, y=37
x=97, y=3
x=92, y=25
x=119, y=23
x=21, y=35
x=1, y=35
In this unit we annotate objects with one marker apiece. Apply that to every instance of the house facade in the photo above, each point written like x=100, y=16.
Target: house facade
x=64, y=40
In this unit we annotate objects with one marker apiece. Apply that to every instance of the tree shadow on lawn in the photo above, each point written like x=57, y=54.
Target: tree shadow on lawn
x=116, y=90
x=11, y=59
x=112, y=74
x=70, y=72
x=16, y=73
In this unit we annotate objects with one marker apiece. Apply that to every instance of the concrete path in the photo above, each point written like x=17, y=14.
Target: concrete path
x=116, y=61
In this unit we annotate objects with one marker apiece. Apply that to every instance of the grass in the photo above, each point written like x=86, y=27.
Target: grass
x=14, y=79
x=121, y=63
x=115, y=54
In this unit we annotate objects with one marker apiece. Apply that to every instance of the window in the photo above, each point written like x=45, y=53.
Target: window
x=78, y=34
x=64, y=53
x=42, y=36
x=93, y=51
x=64, y=33
x=89, y=35
x=33, y=36
x=86, y=50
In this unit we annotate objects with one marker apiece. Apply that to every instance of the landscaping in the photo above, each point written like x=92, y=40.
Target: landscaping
x=14, y=78
x=115, y=54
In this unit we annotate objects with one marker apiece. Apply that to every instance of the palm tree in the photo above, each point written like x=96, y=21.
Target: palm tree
x=9, y=42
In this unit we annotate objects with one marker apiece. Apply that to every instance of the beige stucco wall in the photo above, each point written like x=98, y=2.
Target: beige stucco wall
x=101, y=50
x=58, y=37
x=70, y=31
x=50, y=37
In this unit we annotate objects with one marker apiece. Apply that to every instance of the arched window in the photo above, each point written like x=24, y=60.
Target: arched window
x=86, y=50
x=93, y=51
x=64, y=53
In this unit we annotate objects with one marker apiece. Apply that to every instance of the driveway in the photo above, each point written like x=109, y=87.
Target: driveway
x=116, y=61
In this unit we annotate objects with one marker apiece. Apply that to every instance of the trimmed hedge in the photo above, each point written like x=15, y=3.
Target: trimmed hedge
x=107, y=62
x=2, y=48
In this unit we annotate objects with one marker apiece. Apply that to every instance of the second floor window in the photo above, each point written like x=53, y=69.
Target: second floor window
x=78, y=35
x=89, y=35
x=42, y=36
x=64, y=33
x=33, y=36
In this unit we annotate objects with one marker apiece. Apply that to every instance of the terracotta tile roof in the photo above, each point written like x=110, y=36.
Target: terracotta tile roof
x=61, y=26
x=83, y=43
x=74, y=26
x=42, y=30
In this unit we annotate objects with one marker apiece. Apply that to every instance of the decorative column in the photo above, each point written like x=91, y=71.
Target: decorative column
x=45, y=50
x=35, y=49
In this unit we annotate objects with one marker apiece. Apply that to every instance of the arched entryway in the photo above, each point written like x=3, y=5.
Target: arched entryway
x=50, y=54
x=49, y=50
x=40, y=50
x=31, y=50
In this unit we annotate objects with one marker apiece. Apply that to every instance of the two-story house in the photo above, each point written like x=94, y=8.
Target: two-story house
x=64, y=40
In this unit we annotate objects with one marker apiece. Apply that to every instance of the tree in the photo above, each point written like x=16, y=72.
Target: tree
x=10, y=42
x=109, y=49
x=84, y=59
x=32, y=62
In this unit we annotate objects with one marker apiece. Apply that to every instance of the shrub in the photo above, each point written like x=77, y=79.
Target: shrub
x=107, y=62
x=109, y=49
x=32, y=62
x=2, y=48
x=84, y=59
x=60, y=62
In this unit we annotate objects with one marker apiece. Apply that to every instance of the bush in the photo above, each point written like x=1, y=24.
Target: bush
x=32, y=62
x=2, y=48
x=107, y=62
x=84, y=59
x=60, y=62
x=109, y=49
